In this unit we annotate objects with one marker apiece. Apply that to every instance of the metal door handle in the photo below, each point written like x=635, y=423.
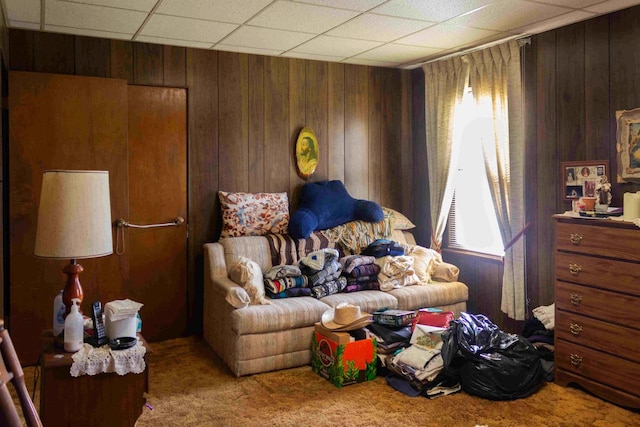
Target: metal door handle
x=120, y=223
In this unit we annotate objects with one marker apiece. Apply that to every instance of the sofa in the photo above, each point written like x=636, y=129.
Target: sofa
x=261, y=338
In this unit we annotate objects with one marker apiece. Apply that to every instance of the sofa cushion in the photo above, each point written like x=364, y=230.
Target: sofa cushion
x=430, y=295
x=281, y=314
x=368, y=301
x=253, y=214
x=255, y=248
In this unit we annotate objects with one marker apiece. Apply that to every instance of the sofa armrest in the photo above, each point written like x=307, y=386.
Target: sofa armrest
x=216, y=279
x=446, y=272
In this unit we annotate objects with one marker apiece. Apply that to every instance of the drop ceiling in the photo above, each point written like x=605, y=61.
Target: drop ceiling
x=387, y=33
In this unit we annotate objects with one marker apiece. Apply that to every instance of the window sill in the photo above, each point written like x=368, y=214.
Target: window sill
x=465, y=252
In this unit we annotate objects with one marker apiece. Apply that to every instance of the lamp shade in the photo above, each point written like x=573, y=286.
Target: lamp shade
x=74, y=218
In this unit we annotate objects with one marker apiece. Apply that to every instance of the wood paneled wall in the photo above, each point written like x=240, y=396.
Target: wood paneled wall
x=244, y=114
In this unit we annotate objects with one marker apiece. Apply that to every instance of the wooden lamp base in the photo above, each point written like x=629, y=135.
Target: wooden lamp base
x=73, y=289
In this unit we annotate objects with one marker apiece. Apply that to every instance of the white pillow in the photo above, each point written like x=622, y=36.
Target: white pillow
x=248, y=274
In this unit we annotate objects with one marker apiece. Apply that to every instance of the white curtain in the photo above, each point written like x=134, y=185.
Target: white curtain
x=495, y=78
x=445, y=82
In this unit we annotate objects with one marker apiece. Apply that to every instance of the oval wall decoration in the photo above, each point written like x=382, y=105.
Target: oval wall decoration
x=307, y=153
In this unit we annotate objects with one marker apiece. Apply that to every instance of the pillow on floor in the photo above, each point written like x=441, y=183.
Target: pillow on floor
x=253, y=214
x=247, y=274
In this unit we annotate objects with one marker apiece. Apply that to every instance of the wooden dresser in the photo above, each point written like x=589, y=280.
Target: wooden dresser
x=597, y=296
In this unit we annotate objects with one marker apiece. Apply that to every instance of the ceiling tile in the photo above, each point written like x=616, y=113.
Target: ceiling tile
x=240, y=49
x=505, y=15
x=22, y=10
x=313, y=57
x=173, y=27
x=378, y=28
x=445, y=36
x=98, y=18
x=429, y=10
x=266, y=38
x=173, y=42
x=141, y=5
x=236, y=11
x=306, y=18
x=87, y=32
x=559, y=21
x=358, y=5
x=397, y=53
x=335, y=46
x=612, y=6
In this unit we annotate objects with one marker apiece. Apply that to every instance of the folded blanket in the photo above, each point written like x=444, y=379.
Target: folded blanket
x=317, y=260
x=352, y=261
x=365, y=270
x=289, y=293
x=280, y=271
x=362, y=279
x=330, y=272
x=364, y=286
x=279, y=285
x=329, y=288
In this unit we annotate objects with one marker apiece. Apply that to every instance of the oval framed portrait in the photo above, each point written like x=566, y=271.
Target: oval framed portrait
x=307, y=153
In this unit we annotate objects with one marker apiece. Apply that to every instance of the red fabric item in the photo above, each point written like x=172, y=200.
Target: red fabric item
x=437, y=319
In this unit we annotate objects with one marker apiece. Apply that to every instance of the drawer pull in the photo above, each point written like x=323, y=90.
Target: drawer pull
x=575, y=238
x=575, y=268
x=575, y=359
x=575, y=329
x=575, y=299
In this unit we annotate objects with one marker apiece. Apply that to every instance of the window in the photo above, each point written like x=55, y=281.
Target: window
x=472, y=220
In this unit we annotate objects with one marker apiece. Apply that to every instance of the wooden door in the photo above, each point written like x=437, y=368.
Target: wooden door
x=158, y=194
x=59, y=122
x=136, y=133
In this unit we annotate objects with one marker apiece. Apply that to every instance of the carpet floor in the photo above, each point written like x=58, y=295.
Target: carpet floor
x=189, y=386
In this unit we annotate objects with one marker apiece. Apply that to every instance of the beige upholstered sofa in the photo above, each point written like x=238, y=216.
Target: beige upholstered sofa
x=261, y=338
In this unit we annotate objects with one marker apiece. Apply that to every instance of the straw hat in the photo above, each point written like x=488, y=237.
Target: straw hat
x=345, y=317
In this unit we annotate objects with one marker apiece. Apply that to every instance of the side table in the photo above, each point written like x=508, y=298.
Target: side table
x=107, y=399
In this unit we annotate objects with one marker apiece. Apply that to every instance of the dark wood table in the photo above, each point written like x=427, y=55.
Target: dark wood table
x=98, y=400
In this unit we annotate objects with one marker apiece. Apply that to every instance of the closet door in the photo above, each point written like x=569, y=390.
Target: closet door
x=59, y=122
x=157, y=195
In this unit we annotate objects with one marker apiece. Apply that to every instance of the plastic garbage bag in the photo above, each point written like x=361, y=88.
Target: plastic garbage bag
x=489, y=362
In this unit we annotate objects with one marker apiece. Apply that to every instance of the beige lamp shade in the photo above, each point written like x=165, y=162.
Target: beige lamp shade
x=74, y=219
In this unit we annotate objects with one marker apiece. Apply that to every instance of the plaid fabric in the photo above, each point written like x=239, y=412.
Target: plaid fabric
x=288, y=251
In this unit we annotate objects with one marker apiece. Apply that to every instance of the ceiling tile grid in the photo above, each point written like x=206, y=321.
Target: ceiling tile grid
x=386, y=33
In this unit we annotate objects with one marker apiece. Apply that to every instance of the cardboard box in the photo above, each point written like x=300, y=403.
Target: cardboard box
x=344, y=364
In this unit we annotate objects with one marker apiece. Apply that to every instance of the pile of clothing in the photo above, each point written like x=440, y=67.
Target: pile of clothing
x=361, y=273
x=323, y=272
x=283, y=281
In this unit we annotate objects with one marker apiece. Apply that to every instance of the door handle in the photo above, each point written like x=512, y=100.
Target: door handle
x=120, y=223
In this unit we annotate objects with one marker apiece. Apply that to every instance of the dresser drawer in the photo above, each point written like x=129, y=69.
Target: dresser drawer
x=598, y=240
x=608, y=306
x=616, y=340
x=604, y=368
x=604, y=273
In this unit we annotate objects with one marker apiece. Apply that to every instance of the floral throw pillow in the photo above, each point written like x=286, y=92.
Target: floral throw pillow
x=253, y=214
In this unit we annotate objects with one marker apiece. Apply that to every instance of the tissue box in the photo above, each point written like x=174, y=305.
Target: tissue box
x=126, y=327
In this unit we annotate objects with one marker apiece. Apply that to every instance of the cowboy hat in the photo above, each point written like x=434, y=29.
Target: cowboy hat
x=345, y=317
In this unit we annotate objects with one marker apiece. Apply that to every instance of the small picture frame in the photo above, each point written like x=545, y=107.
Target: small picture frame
x=579, y=179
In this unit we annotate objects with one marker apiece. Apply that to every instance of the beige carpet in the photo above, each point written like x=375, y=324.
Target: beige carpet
x=189, y=386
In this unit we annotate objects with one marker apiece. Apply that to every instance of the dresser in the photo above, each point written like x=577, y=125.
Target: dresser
x=597, y=297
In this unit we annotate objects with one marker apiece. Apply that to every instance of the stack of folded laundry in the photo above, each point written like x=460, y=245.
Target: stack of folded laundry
x=361, y=273
x=323, y=272
x=284, y=281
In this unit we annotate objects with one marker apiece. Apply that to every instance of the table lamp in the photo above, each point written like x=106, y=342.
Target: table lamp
x=74, y=222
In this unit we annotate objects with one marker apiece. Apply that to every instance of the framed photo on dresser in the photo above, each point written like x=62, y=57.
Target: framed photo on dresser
x=579, y=179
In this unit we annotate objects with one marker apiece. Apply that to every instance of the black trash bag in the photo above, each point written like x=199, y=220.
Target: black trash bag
x=489, y=362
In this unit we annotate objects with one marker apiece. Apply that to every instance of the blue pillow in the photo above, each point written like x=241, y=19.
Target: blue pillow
x=327, y=204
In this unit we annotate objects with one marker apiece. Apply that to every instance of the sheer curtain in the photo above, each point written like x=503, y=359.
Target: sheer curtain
x=495, y=78
x=445, y=82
